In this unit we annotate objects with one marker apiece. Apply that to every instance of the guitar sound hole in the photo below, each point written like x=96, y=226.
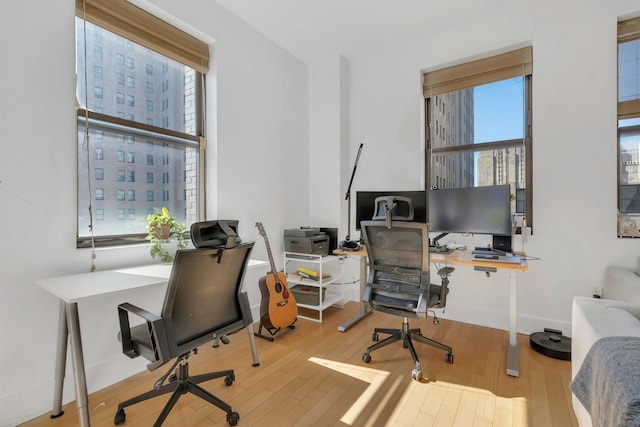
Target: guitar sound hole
x=278, y=287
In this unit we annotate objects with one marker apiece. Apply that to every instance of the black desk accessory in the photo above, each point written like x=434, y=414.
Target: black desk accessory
x=348, y=244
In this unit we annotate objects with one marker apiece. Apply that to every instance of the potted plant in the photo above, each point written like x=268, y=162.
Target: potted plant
x=162, y=228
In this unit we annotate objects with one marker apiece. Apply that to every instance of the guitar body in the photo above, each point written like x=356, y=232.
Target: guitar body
x=278, y=307
x=276, y=311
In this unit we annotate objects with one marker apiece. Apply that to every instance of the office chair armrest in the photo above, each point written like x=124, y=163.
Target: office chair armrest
x=155, y=326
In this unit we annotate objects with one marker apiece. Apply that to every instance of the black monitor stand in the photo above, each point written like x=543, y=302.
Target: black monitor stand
x=438, y=237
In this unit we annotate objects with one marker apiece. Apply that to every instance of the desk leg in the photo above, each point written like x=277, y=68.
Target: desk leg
x=512, y=351
x=252, y=343
x=61, y=361
x=78, y=364
x=364, y=308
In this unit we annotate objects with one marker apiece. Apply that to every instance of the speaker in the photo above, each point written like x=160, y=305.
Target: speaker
x=502, y=243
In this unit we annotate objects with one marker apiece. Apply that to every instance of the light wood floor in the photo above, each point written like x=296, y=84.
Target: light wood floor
x=314, y=375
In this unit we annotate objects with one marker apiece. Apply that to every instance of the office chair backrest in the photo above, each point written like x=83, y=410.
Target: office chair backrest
x=203, y=294
x=398, y=265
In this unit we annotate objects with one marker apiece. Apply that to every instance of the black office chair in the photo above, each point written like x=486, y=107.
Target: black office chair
x=399, y=283
x=203, y=301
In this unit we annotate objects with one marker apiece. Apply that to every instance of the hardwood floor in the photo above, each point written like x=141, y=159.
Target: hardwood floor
x=314, y=375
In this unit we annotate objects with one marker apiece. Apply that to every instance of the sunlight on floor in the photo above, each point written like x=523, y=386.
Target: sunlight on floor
x=467, y=401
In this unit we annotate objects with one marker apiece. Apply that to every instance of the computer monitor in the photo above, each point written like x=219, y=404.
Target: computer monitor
x=475, y=210
x=366, y=205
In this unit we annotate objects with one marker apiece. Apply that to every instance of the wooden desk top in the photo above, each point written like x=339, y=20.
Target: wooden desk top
x=459, y=257
x=360, y=252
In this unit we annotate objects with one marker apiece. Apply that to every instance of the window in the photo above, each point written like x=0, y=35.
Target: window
x=478, y=118
x=99, y=174
x=629, y=119
x=121, y=35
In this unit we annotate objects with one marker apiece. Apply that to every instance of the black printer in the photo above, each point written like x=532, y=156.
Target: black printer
x=306, y=240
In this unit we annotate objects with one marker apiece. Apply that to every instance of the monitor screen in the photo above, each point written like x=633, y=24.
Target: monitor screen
x=476, y=210
x=365, y=204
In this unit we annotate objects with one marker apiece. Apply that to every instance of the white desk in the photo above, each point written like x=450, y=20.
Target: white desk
x=79, y=287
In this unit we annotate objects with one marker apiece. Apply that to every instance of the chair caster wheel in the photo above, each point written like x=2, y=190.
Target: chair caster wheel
x=224, y=340
x=120, y=417
x=229, y=379
x=436, y=321
x=416, y=374
x=292, y=326
x=449, y=358
x=366, y=357
x=233, y=418
x=374, y=337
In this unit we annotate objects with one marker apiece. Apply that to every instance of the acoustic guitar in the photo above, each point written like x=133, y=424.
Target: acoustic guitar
x=278, y=307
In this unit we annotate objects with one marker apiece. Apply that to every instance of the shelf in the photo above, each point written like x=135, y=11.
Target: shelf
x=330, y=271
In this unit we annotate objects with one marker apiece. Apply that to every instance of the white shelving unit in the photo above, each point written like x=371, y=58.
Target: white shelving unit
x=330, y=270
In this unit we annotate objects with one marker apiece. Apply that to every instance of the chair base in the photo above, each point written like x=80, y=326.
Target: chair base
x=180, y=384
x=407, y=336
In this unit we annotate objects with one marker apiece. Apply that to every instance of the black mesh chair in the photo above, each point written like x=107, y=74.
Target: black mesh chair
x=399, y=283
x=203, y=301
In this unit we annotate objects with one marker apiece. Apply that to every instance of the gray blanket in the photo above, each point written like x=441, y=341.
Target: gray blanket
x=608, y=382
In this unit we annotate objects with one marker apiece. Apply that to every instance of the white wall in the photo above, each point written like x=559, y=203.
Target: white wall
x=574, y=152
x=260, y=121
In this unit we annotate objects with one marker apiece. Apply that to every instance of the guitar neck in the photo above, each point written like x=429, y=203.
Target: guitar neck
x=266, y=243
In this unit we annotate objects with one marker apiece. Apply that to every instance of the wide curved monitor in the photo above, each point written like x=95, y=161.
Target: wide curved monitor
x=475, y=210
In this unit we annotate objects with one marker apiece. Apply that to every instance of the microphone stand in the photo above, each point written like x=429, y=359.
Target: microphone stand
x=348, y=244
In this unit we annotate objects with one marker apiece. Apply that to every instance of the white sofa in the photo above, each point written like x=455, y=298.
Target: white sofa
x=591, y=319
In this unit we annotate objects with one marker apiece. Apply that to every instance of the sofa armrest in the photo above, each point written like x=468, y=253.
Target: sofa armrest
x=621, y=283
x=592, y=319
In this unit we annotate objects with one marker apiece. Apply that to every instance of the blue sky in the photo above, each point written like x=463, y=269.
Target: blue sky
x=498, y=110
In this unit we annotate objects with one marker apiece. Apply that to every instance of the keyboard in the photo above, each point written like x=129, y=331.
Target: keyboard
x=440, y=250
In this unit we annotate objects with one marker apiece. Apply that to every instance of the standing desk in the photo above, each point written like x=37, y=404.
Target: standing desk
x=75, y=288
x=457, y=258
x=364, y=308
x=466, y=258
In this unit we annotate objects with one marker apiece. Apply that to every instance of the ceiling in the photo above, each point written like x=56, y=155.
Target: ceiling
x=308, y=28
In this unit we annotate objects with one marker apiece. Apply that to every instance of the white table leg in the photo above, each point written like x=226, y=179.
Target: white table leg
x=512, y=351
x=82, y=398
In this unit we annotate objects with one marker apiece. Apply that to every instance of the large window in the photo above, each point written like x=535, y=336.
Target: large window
x=629, y=119
x=478, y=119
x=116, y=130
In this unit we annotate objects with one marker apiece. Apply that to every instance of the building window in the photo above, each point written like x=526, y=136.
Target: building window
x=99, y=193
x=184, y=63
x=464, y=146
x=99, y=216
x=149, y=177
x=629, y=121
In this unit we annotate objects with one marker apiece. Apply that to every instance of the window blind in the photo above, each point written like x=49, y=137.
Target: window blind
x=133, y=23
x=487, y=70
x=628, y=31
